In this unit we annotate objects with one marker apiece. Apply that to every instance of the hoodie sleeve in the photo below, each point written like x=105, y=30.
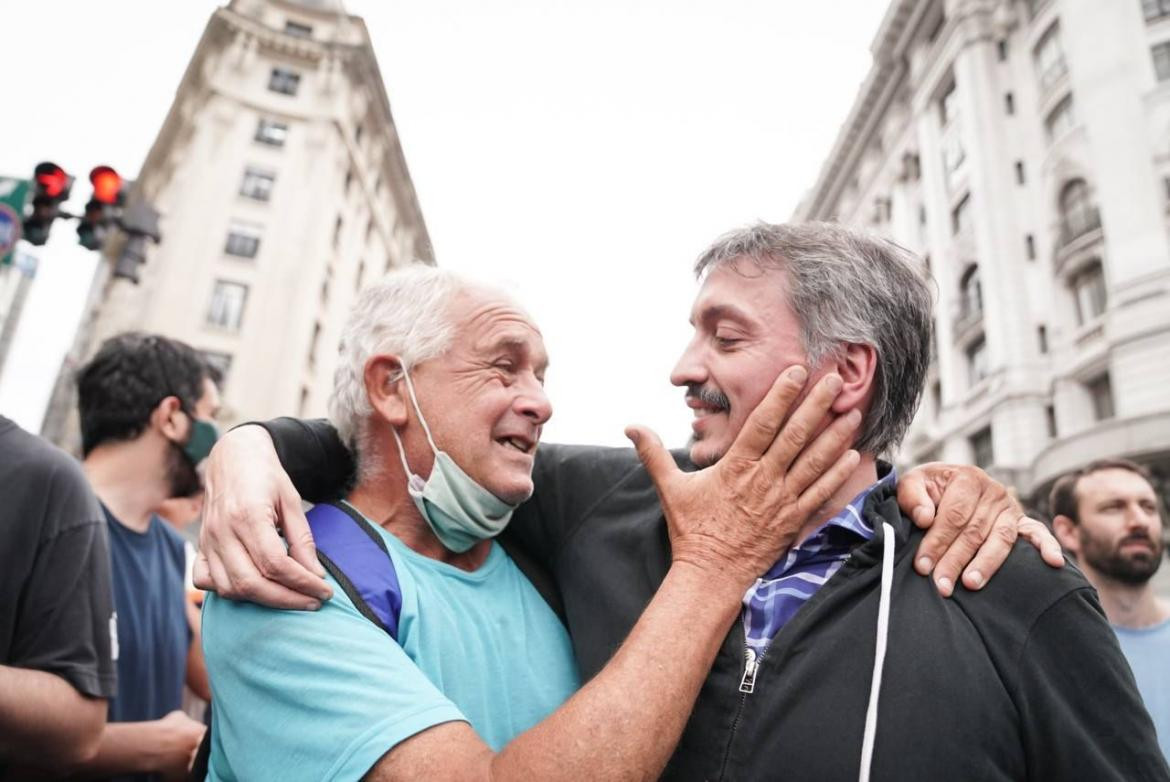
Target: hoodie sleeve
x=1081, y=714
x=311, y=452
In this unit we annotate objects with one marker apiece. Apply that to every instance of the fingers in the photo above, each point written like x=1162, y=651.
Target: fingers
x=760, y=428
x=814, y=497
x=201, y=574
x=958, y=503
x=823, y=453
x=1038, y=534
x=656, y=459
x=297, y=533
x=994, y=550
x=245, y=581
x=268, y=559
x=914, y=497
x=802, y=423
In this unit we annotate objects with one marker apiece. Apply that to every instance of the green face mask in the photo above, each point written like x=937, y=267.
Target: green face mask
x=458, y=510
x=203, y=437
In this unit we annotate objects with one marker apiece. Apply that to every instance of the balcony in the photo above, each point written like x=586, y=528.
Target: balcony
x=1074, y=226
x=1079, y=234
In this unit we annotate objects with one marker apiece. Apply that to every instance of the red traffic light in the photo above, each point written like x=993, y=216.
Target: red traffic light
x=107, y=184
x=51, y=179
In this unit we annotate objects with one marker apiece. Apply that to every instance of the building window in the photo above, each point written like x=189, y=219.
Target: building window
x=1088, y=288
x=298, y=30
x=271, y=132
x=961, y=217
x=977, y=360
x=257, y=184
x=1155, y=9
x=337, y=232
x=948, y=105
x=1161, y=55
x=1061, y=119
x=227, y=305
x=1078, y=214
x=304, y=405
x=1030, y=247
x=1001, y=48
x=357, y=133
x=1009, y=103
x=361, y=276
x=243, y=240
x=1042, y=338
x=369, y=228
x=1050, y=415
x=1035, y=6
x=316, y=338
x=1049, y=58
x=220, y=365
x=982, y=448
x=1019, y=172
x=348, y=180
x=970, y=295
x=1101, y=393
x=284, y=81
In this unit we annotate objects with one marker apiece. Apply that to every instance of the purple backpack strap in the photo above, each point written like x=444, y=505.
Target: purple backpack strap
x=356, y=556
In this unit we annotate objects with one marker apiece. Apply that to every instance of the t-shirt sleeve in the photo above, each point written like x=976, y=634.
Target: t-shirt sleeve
x=1081, y=712
x=312, y=453
x=65, y=617
x=310, y=695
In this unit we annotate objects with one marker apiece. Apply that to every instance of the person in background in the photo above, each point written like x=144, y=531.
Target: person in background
x=56, y=608
x=147, y=404
x=1108, y=517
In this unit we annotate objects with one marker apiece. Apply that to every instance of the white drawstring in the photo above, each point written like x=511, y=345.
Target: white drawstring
x=879, y=656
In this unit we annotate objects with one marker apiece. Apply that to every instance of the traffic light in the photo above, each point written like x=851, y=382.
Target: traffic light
x=102, y=209
x=51, y=187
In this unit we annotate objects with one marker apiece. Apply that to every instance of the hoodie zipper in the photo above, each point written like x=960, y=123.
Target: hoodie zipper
x=747, y=685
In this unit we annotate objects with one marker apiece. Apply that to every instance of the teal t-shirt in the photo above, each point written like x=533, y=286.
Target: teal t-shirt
x=1148, y=653
x=323, y=695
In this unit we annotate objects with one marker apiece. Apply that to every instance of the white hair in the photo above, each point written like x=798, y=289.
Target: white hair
x=407, y=314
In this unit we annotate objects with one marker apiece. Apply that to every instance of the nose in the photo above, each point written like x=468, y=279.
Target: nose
x=690, y=368
x=532, y=402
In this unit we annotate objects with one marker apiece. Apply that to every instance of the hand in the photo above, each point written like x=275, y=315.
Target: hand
x=175, y=741
x=971, y=520
x=733, y=519
x=249, y=499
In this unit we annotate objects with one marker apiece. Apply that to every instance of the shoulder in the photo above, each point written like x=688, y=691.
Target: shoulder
x=46, y=484
x=1023, y=589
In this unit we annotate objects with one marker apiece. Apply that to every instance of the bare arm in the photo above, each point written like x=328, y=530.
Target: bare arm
x=196, y=667
x=727, y=524
x=165, y=746
x=43, y=716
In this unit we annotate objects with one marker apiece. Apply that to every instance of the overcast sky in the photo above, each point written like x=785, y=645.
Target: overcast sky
x=583, y=152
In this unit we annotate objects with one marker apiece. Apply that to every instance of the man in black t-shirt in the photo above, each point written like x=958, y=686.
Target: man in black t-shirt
x=56, y=609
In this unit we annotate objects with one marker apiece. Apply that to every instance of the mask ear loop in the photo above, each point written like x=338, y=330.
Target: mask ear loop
x=411, y=476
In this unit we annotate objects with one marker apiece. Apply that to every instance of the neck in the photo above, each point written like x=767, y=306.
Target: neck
x=1133, y=606
x=129, y=490
x=864, y=476
x=381, y=496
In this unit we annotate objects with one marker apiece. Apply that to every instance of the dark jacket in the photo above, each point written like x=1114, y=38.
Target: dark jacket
x=1023, y=680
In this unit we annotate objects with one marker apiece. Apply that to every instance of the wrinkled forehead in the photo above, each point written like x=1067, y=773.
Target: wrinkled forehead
x=1112, y=483
x=486, y=320
x=741, y=288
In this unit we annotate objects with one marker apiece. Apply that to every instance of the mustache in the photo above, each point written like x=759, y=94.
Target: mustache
x=1138, y=537
x=711, y=397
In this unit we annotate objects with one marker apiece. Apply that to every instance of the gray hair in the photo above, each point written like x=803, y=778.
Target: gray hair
x=846, y=286
x=407, y=314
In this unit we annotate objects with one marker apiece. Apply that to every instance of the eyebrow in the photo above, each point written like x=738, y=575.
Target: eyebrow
x=522, y=345
x=718, y=311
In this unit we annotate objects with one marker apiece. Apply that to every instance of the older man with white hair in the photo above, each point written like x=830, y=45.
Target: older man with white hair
x=468, y=672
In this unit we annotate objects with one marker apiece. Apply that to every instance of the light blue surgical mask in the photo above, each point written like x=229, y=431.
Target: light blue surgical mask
x=459, y=511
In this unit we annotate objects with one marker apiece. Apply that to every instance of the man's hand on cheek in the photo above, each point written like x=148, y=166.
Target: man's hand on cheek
x=972, y=522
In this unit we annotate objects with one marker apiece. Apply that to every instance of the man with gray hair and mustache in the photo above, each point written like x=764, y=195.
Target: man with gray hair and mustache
x=843, y=663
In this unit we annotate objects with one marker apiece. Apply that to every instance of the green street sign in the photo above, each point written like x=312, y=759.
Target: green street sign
x=13, y=194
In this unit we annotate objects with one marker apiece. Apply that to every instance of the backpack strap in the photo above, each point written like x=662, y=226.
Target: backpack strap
x=356, y=556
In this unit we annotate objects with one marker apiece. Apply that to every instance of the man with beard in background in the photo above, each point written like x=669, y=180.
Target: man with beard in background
x=147, y=404
x=1107, y=516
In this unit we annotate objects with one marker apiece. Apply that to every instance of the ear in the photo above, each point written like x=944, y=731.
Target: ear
x=169, y=419
x=1066, y=532
x=386, y=389
x=857, y=366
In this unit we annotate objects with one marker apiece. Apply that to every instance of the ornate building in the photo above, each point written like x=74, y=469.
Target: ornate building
x=1023, y=149
x=283, y=190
